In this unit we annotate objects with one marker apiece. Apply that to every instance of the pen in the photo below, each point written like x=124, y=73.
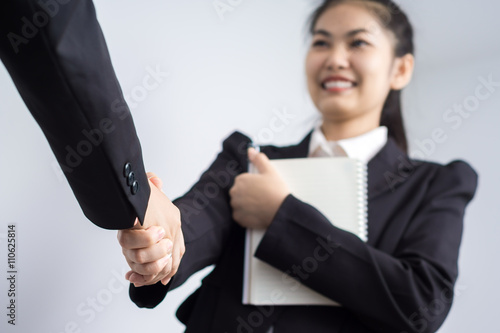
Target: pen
x=254, y=145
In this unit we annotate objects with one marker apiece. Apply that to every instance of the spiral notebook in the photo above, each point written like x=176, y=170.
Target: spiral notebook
x=337, y=187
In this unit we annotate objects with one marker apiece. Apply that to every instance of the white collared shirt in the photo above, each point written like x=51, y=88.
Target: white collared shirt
x=363, y=147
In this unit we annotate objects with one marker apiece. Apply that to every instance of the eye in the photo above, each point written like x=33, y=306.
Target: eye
x=319, y=43
x=358, y=43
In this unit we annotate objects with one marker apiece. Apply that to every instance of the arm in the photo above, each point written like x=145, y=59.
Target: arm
x=57, y=57
x=206, y=220
x=408, y=290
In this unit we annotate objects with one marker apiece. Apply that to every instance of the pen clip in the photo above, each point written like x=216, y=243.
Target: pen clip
x=254, y=146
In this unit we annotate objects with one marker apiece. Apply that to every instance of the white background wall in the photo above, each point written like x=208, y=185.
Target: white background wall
x=225, y=75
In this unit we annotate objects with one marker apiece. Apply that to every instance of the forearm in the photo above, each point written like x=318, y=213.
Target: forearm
x=206, y=220
x=63, y=72
x=386, y=290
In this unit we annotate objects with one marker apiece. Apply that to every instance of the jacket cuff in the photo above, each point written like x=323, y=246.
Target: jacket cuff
x=149, y=296
x=277, y=238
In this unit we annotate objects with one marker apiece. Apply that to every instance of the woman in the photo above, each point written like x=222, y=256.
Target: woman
x=401, y=280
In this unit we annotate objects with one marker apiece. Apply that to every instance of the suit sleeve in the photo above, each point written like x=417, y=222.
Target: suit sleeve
x=410, y=290
x=58, y=59
x=206, y=217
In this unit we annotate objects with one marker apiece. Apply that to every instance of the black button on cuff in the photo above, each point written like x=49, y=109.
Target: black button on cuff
x=127, y=169
x=134, y=187
x=130, y=178
x=129, y=175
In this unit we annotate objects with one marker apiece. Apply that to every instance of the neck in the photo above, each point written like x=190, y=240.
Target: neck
x=335, y=129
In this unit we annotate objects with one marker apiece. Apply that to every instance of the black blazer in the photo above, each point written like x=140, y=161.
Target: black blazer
x=57, y=57
x=401, y=280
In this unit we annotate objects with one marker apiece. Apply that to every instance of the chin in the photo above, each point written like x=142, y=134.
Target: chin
x=336, y=110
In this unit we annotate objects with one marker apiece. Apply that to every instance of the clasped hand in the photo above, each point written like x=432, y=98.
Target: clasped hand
x=149, y=250
x=256, y=198
x=154, y=251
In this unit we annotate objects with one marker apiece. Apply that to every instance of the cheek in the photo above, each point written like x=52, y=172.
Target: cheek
x=313, y=67
x=369, y=67
x=373, y=71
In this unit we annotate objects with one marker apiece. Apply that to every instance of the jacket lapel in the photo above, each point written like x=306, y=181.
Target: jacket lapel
x=294, y=151
x=386, y=169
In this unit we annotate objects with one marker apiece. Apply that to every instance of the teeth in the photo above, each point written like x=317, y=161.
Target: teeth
x=338, y=84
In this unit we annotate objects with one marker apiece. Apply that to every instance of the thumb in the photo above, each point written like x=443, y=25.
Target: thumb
x=260, y=161
x=137, y=225
x=155, y=180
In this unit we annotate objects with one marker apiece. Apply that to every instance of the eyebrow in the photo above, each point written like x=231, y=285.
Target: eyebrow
x=348, y=34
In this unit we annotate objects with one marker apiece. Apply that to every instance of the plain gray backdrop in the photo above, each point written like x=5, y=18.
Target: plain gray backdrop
x=221, y=73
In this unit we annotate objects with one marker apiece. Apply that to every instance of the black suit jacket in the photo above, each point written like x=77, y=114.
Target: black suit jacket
x=401, y=280
x=57, y=57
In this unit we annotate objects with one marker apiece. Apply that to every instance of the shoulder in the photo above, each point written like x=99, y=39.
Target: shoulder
x=457, y=175
x=236, y=143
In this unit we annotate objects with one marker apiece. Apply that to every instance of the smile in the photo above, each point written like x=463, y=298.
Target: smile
x=336, y=86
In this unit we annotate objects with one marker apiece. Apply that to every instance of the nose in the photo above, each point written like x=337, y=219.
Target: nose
x=338, y=58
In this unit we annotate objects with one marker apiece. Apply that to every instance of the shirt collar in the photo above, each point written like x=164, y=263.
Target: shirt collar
x=363, y=147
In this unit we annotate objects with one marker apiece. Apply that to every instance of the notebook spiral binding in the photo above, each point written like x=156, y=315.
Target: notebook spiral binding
x=362, y=181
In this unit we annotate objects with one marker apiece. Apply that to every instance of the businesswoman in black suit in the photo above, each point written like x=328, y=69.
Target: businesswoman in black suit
x=402, y=279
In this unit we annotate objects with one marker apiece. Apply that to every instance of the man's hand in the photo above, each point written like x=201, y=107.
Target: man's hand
x=255, y=198
x=149, y=249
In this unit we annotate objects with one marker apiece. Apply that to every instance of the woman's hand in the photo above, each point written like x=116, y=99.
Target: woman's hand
x=149, y=254
x=255, y=198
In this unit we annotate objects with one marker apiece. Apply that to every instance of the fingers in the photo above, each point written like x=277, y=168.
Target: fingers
x=154, y=252
x=237, y=191
x=150, y=254
x=139, y=280
x=252, y=152
x=260, y=161
x=140, y=238
x=164, y=274
x=151, y=268
x=160, y=210
x=155, y=183
x=155, y=180
x=146, y=262
x=236, y=201
x=167, y=273
x=150, y=174
x=177, y=254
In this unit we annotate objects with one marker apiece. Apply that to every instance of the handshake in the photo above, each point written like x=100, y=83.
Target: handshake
x=154, y=251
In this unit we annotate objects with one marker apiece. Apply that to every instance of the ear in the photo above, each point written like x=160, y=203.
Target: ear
x=402, y=71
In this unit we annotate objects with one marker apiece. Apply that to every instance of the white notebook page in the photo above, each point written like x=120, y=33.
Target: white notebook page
x=337, y=188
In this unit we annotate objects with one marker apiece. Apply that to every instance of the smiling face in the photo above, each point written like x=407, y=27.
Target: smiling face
x=351, y=66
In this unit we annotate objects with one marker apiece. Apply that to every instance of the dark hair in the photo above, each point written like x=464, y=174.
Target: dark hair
x=396, y=21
